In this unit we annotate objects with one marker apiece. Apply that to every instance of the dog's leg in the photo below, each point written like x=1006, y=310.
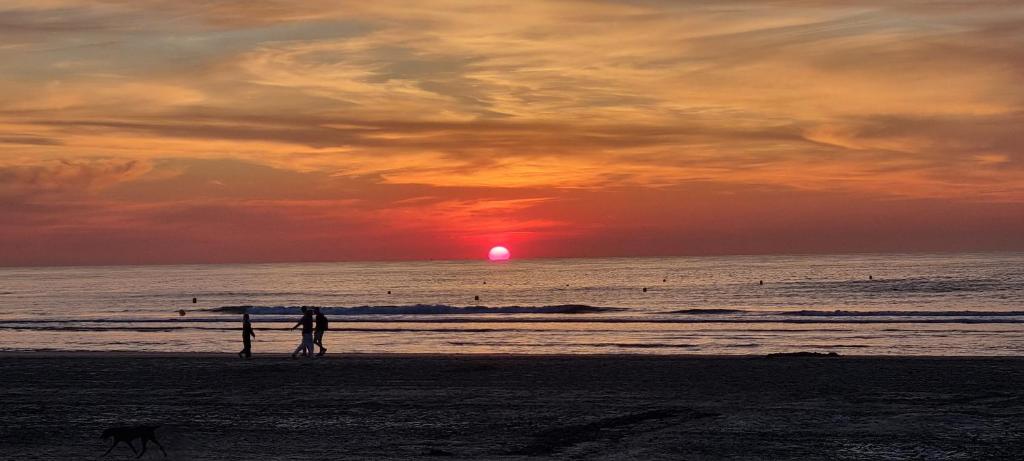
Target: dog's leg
x=160, y=447
x=132, y=447
x=108, y=449
x=143, y=448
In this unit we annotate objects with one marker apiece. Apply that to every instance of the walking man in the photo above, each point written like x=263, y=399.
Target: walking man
x=306, y=346
x=321, y=327
x=247, y=336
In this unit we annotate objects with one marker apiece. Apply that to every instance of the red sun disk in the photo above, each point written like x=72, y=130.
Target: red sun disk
x=499, y=253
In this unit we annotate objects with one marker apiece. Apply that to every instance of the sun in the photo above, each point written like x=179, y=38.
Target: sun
x=499, y=253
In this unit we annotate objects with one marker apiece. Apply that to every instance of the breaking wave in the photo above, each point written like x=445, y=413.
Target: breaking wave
x=847, y=313
x=708, y=311
x=842, y=313
x=419, y=309
x=906, y=285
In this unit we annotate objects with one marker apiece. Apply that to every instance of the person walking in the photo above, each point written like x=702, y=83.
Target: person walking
x=321, y=327
x=306, y=346
x=247, y=337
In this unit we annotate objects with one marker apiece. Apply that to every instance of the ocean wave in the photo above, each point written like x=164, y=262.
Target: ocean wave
x=215, y=294
x=171, y=328
x=82, y=329
x=834, y=346
x=845, y=313
x=639, y=345
x=600, y=345
x=709, y=311
x=907, y=284
x=419, y=309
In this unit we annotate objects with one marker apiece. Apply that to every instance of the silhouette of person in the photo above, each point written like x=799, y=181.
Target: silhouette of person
x=247, y=335
x=321, y=327
x=306, y=346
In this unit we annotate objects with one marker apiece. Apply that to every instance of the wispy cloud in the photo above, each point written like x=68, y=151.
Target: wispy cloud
x=456, y=106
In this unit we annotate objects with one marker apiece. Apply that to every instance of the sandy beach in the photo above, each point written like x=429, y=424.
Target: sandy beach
x=213, y=407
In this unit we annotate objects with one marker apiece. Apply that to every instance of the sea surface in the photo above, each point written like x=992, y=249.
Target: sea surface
x=869, y=304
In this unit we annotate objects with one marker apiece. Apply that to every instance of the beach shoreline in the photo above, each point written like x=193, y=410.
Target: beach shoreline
x=823, y=355
x=500, y=406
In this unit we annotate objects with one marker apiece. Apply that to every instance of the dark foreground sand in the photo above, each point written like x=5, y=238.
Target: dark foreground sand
x=519, y=407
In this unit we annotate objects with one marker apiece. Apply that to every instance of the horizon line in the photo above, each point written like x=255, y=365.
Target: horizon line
x=513, y=260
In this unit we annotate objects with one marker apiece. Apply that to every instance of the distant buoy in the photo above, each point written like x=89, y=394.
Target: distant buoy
x=485, y=282
x=871, y=277
x=181, y=312
x=389, y=291
x=476, y=298
x=760, y=282
x=664, y=280
x=194, y=300
x=645, y=289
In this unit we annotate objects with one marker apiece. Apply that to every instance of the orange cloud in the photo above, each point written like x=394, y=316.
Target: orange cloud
x=427, y=130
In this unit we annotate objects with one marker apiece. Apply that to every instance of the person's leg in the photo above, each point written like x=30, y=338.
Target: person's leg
x=308, y=339
x=301, y=348
x=319, y=341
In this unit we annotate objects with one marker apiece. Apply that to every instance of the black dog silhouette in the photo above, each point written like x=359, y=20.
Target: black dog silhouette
x=128, y=433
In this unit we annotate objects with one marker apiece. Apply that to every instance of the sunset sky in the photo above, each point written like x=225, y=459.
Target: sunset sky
x=252, y=130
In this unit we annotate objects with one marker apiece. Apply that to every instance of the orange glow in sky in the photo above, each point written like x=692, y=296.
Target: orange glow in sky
x=245, y=131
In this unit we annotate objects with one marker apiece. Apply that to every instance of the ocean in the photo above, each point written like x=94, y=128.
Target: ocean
x=865, y=304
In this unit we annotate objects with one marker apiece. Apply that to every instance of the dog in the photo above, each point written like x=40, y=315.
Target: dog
x=128, y=433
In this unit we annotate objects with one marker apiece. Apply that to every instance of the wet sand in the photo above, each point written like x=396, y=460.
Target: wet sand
x=213, y=407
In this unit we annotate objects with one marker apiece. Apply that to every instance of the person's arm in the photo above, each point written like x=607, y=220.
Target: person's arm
x=252, y=332
x=297, y=324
